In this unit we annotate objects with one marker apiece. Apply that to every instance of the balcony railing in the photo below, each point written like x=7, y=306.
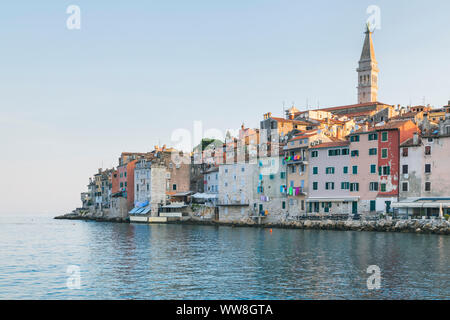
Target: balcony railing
x=296, y=191
x=295, y=159
x=233, y=204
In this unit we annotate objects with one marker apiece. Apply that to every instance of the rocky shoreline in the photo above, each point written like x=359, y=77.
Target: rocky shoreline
x=441, y=227
x=88, y=216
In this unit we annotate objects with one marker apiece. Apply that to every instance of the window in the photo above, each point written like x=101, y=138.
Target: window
x=315, y=170
x=345, y=170
x=174, y=187
x=355, y=153
x=373, y=152
x=329, y=170
x=383, y=187
x=384, y=153
x=428, y=168
x=314, y=154
x=373, y=136
x=373, y=168
x=405, y=152
x=242, y=169
x=405, y=186
x=283, y=175
x=345, y=151
x=373, y=186
x=329, y=185
x=428, y=150
x=293, y=169
x=283, y=205
x=315, y=185
x=332, y=153
x=405, y=169
x=355, y=169
x=385, y=170
x=354, y=138
x=427, y=186
x=354, y=187
x=345, y=185
x=384, y=136
x=226, y=170
x=373, y=205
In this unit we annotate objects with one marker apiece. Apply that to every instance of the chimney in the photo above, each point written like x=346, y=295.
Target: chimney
x=415, y=138
x=339, y=132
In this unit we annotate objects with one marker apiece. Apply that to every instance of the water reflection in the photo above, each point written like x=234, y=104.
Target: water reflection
x=123, y=261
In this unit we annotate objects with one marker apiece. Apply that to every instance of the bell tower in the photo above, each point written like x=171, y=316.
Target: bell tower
x=368, y=71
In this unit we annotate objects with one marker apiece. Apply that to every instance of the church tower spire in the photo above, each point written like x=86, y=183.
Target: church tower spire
x=368, y=71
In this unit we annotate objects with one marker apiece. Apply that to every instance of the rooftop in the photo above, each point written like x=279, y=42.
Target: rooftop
x=333, y=144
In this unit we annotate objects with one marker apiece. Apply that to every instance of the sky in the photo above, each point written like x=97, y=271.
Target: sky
x=72, y=100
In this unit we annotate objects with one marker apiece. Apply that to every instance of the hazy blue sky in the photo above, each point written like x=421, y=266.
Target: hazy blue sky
x=71, y=101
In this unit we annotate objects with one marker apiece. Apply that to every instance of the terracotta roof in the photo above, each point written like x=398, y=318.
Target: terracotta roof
x=303, y=135
x=410, y=114
x=388, y=126
x=353, y=106
x=359, y=114
x=409, y=142
x=288, y=120
x=334, y=144
x=300, y=138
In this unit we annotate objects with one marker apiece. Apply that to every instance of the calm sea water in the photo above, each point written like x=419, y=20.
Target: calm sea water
x=127, y=261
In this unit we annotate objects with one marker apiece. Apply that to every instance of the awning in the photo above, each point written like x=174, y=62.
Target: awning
x=133, y=210
x=420, y=205
x=174, y=206
x=341, y=199
x=146, y=210
x=141, y=204
x=140, y=210
x=205, y=196
x=182, y=194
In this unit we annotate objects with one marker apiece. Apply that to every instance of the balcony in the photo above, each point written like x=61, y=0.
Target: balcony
x=297, y=191
x=233, y=204
x=295, y=160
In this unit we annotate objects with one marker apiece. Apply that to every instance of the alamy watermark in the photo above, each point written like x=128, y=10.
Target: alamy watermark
x=228, y=147
x=73, y=22
x=374, y=280
x=74, y=279
x=374, y=19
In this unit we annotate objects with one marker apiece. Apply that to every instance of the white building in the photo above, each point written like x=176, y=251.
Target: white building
x=149, y=187
x=271, y=196
x=237, y=189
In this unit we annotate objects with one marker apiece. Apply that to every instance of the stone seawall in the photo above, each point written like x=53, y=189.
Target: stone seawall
x=412, y=226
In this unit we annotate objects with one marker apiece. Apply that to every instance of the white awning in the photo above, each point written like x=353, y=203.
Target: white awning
x=337, y=199
x=420, y=205
x=205, y=196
